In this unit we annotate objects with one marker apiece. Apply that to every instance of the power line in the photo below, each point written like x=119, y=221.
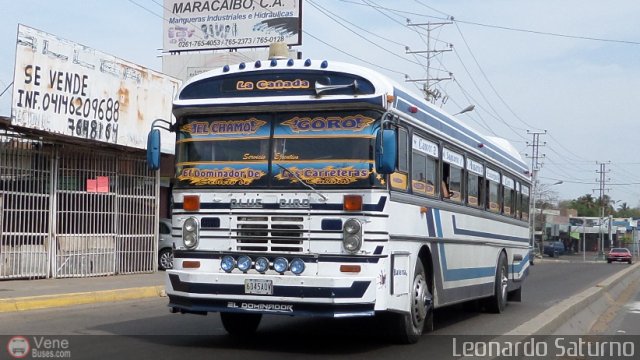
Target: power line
x=353, y=56
x=324, y=11
x=507, y=28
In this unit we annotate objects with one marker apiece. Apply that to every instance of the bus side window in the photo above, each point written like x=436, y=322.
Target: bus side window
x=518, y=199
x=481, y=192
x=399, y=180
x=403, y=153
x=451, y=184
x=507, y=196
x=525, y=203
x=423, y=174
x=474, y=190
x=493, y=196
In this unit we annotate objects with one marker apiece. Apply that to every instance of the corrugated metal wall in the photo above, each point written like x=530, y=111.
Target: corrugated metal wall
x=74, y=211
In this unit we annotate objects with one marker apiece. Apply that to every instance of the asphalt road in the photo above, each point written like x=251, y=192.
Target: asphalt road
x=146, y=329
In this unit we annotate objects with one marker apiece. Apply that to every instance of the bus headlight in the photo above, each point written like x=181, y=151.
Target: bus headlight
x=352, y=243
x=297, y=266
x=352, y=235
x=227, y=263
x=190, y=233
x=262, y=264
x=280, y=265
x=352, y=226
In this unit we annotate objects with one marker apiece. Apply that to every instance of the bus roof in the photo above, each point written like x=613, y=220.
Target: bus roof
x=378, y=87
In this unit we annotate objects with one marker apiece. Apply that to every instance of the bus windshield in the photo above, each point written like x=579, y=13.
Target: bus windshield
x=327, y=149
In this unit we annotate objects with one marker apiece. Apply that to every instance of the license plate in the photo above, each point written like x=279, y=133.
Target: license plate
x=261, y=287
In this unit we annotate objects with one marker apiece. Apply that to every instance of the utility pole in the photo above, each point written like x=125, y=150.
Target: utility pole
x=535, y=167
x=603, y=180
x=430, y=94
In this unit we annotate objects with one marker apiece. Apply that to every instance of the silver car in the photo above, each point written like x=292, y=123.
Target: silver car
x=165, y=245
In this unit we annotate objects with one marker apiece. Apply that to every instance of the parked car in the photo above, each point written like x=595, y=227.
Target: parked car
x=554, y=249
x=165, y=245
x=620, y=254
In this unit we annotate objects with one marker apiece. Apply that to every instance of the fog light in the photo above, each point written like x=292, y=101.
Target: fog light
x=244, y=263
x=228, y=263
x=297, y=266
x=352, y=243
x=262, y=264
x=280, y=265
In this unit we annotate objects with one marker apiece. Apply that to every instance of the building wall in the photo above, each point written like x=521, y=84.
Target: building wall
x=72, y=210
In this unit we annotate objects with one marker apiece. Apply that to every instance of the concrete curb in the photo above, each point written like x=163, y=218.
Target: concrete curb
x=551, y=319
x=60, y=300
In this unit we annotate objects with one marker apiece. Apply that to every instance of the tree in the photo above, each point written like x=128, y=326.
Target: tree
x=586, y=205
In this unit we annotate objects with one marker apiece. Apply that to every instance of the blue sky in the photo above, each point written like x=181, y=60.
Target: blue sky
x=583, y=92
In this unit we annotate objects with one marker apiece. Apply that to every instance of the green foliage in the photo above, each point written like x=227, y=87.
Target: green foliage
x=589, y=206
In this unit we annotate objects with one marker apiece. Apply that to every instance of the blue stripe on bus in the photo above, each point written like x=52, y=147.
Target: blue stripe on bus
x=459, y=231
x=436, y=215
x=431, y=232
x=457, y=274
x=468, y=273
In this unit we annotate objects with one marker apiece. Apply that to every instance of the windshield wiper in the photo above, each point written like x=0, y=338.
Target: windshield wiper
x=324, y=198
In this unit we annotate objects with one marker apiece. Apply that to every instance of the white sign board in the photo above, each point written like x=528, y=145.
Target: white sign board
x=451, y=157
x=425, y=146
x=230, y=24
x=187, y=65
x=69, y=89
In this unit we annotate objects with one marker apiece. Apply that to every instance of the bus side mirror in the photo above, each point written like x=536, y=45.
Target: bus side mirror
x=153, y=149
x=386, y=151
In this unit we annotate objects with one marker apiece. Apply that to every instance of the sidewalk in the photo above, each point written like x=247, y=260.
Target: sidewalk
x=22, y=295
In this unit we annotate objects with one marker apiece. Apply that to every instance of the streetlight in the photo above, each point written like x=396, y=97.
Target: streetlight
x=467, y=109
x=533, y=224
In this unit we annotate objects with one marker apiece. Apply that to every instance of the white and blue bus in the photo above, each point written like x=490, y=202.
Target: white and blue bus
x=315, y=188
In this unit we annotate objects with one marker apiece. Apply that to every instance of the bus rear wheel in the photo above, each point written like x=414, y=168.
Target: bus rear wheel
x=497, y=303
x=408, y=327
x=238, y=324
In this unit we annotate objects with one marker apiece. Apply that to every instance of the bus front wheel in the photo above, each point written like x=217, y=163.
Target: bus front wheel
x=238, y=324
x=408, y=327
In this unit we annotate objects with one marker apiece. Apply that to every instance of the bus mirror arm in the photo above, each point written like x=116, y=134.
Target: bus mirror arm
x=164, y=124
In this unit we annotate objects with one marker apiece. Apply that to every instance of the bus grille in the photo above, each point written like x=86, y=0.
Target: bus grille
x=270, y=233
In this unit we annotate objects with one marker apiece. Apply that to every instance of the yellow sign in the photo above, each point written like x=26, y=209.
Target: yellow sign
x=244, y=127
x=225, y=176
x=398, y=181
x=332, y=123
x=326, y=176
x=273, y=85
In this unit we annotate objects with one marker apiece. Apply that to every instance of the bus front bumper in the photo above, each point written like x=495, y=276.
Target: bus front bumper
x=201, y=293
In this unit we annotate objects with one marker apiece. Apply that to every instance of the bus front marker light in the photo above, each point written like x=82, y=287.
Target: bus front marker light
x=352, y=203
x=227, y=263
x=244, y=263
x=191, y=202
x=297, y=266
x=262, y=265
x=280, y=265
